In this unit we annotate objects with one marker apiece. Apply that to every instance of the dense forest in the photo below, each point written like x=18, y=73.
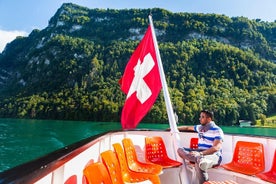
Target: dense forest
x=70, y=70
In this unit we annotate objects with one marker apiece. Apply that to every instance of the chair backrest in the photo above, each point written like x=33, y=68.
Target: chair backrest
x=249, y=154
x=112, y=164
x=129, y=175
x=121, y=157
x=155, y=148
x=273, y=167
x=71, y=180
x=271, y=174
x=133, y=162
x=130, y=151
x=194, y=143
x=96, y=173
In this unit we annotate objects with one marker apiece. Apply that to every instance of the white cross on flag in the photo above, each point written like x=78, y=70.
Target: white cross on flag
x=141, y=82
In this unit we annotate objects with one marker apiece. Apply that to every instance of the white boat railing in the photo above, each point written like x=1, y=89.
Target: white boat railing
x=68, y=163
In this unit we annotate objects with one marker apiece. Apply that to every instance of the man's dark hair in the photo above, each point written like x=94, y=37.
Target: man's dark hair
x=208, y=113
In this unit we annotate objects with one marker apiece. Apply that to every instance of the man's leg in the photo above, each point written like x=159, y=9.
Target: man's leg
x=202, y=175
x=186, y=155
x=203, y=164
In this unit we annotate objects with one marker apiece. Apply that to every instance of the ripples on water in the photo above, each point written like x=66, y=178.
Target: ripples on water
x=25, y=140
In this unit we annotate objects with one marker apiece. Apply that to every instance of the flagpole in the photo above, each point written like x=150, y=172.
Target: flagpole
x=168, y=103
x=172, y=122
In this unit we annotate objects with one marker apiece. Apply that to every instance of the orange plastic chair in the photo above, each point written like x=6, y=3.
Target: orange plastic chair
x=134, y=164
x=271, y=174
x=156, y=153
x=194, y=143
x=248, y=158
x=96, y=173
x=111, y=162
x=129, y=175
x=71, y=180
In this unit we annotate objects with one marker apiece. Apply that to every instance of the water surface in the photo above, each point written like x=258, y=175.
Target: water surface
x=25, y=140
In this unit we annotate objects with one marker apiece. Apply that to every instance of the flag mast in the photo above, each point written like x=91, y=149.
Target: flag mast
x=168, y=103
x=172, y=122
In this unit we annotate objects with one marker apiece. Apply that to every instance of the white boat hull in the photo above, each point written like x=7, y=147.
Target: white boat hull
x=71, y=164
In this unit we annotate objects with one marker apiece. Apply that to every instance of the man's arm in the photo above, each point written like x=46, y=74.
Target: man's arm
x=216, y=146
x=186, y=128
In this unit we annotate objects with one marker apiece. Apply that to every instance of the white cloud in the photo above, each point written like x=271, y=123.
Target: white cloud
x=8, y=36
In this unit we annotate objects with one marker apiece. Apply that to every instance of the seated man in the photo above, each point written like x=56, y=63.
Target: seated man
x=209, y=145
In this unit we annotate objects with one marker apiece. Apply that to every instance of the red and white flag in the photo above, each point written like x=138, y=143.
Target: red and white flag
x=140, y=82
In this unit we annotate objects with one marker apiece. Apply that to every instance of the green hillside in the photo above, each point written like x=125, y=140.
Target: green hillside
x=70, y=69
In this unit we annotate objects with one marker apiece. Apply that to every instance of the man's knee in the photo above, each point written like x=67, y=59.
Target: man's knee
x=180, y=152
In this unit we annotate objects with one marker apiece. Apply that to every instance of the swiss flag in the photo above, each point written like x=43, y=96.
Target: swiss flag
x=140, y=82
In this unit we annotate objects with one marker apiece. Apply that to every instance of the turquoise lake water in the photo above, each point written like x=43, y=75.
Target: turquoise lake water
x=24, y=140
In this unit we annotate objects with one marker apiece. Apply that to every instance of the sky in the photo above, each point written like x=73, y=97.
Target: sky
x=20, y=17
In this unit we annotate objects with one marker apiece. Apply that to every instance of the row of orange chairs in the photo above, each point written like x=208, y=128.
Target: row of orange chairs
x=248, y=158
x=122, y=164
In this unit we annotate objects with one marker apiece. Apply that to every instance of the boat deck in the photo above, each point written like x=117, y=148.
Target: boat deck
x=68, y=163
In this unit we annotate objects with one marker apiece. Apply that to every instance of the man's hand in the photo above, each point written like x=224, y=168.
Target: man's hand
x=195, y=153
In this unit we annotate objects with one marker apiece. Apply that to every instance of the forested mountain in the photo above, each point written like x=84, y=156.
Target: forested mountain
x=70, y=69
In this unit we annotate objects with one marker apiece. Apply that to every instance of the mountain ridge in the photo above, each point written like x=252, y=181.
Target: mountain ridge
x=83, y=52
